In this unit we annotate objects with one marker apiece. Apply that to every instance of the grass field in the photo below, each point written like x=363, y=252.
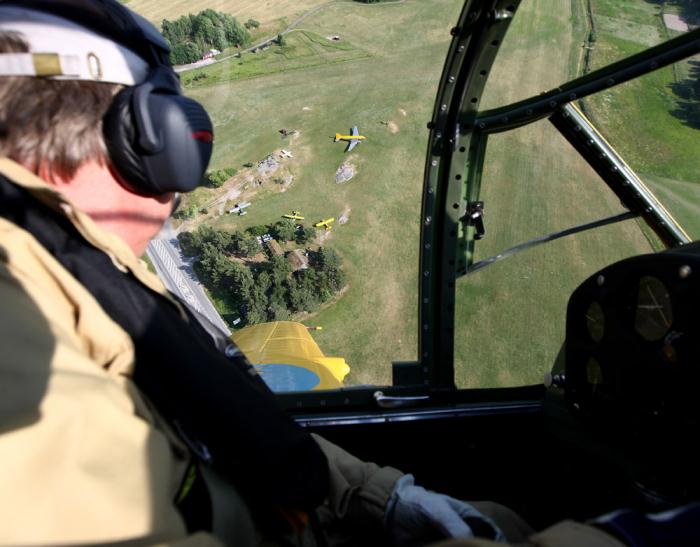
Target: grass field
x=384, y=69
x=303, y=49
x=636, y=117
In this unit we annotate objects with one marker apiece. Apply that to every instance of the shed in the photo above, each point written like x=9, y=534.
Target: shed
x=275, y=248
x=297, y=259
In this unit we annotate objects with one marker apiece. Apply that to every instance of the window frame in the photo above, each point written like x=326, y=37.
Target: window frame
x=457, y=142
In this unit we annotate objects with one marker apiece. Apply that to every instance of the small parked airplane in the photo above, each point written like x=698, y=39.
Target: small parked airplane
x=325, y=223
x=286, y=154
x=295, y=215
x=352, y=139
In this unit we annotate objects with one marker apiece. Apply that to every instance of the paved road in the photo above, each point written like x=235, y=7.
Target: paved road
x=179, y=277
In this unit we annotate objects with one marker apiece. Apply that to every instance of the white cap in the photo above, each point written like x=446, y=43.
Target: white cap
x=62, y=50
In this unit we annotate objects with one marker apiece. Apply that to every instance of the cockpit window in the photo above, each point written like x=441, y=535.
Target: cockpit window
x=308, y=235
x=535, y=187
x=511, y=309
x=310, y=211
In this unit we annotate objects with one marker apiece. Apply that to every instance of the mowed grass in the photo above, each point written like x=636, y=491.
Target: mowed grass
x=511, y=316
x=301, y=49
x=637, y=118
x=404, y=45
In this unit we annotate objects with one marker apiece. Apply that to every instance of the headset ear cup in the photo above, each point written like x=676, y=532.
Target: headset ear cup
x=121, y=139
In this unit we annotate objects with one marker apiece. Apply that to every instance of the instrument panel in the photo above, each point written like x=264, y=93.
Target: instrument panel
x=633, y=343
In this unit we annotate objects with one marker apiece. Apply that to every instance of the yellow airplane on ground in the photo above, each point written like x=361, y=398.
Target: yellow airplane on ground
x=325, y=223
x=353, y=139
x=295, y=215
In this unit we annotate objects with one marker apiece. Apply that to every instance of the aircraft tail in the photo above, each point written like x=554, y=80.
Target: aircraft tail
x=337, y=137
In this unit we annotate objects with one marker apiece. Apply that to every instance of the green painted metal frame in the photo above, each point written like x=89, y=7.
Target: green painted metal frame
x=455, y=157
x=456, y=154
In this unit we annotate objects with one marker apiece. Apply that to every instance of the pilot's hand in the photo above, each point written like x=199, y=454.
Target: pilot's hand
x=416, y=516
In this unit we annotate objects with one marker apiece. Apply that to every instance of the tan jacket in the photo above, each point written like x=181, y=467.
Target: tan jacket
x=82, y=457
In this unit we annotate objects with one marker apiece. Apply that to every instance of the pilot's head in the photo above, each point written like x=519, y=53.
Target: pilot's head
x=88, y=84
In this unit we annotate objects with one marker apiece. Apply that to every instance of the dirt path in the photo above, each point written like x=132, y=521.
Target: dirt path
x=270, y=40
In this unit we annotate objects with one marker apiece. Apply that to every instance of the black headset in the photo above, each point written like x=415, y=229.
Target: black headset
x=158, y=140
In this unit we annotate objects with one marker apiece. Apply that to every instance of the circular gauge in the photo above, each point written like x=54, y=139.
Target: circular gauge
x=654, y=314
x=594, y=374
x=595, y=321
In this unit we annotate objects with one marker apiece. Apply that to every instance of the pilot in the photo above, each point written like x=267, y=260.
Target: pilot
x=125, y=418
x=121, y=412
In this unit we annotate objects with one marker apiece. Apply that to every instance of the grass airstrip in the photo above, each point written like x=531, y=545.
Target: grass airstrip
x=382, y=76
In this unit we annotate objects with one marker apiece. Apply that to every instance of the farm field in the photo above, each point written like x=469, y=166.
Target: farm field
x=265, y=11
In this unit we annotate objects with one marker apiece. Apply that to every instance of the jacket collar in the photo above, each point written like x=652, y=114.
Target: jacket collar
x=112, y=245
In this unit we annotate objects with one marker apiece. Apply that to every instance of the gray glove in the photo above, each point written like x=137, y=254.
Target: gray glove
x=416, y=516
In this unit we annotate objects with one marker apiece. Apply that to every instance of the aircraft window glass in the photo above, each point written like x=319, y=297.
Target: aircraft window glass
x=654, y=124
x=277, y=105
x=573, y=38
x=510, y=316
x=543, y=32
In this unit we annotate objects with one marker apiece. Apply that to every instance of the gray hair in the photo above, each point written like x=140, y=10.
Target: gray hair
x=51, y=124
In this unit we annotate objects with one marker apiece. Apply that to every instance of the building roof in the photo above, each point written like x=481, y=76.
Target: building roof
x=275, y=248
x=298, y=260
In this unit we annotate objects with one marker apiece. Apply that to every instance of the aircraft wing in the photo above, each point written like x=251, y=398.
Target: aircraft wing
x=352, y=144
x=355, y=132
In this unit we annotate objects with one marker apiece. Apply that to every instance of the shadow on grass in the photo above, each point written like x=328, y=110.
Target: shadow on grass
x=688, y=10
x=688, y=93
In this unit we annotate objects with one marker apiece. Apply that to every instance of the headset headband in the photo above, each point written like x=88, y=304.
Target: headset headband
x=158, y=140
x=61, y=49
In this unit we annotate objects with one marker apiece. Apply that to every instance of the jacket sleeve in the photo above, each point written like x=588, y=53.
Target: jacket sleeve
x=358, y=490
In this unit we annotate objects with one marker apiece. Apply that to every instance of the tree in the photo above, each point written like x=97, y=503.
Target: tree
x=238, y=281
x=249, y=245
x=281, y=40
x=220, y=239
x=190, y=242
x=278, y=312
x=257, y=230
x=191, y=35
x=331, y=277
x=303, y=293
x=212, y=265
x=284, y=230
x=305, y=234
x=184, y=53
x=217, y=178
x=280, y=268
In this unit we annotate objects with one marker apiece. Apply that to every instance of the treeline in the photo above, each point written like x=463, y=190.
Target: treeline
x=191, y=36
x=262, y=291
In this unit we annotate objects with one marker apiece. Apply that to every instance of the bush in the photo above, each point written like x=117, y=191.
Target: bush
x=258, y=230
x=191, y=35
x=216, y=179
x=251, y=23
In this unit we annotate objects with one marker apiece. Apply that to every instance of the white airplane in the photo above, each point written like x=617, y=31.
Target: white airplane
x=286, y=154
